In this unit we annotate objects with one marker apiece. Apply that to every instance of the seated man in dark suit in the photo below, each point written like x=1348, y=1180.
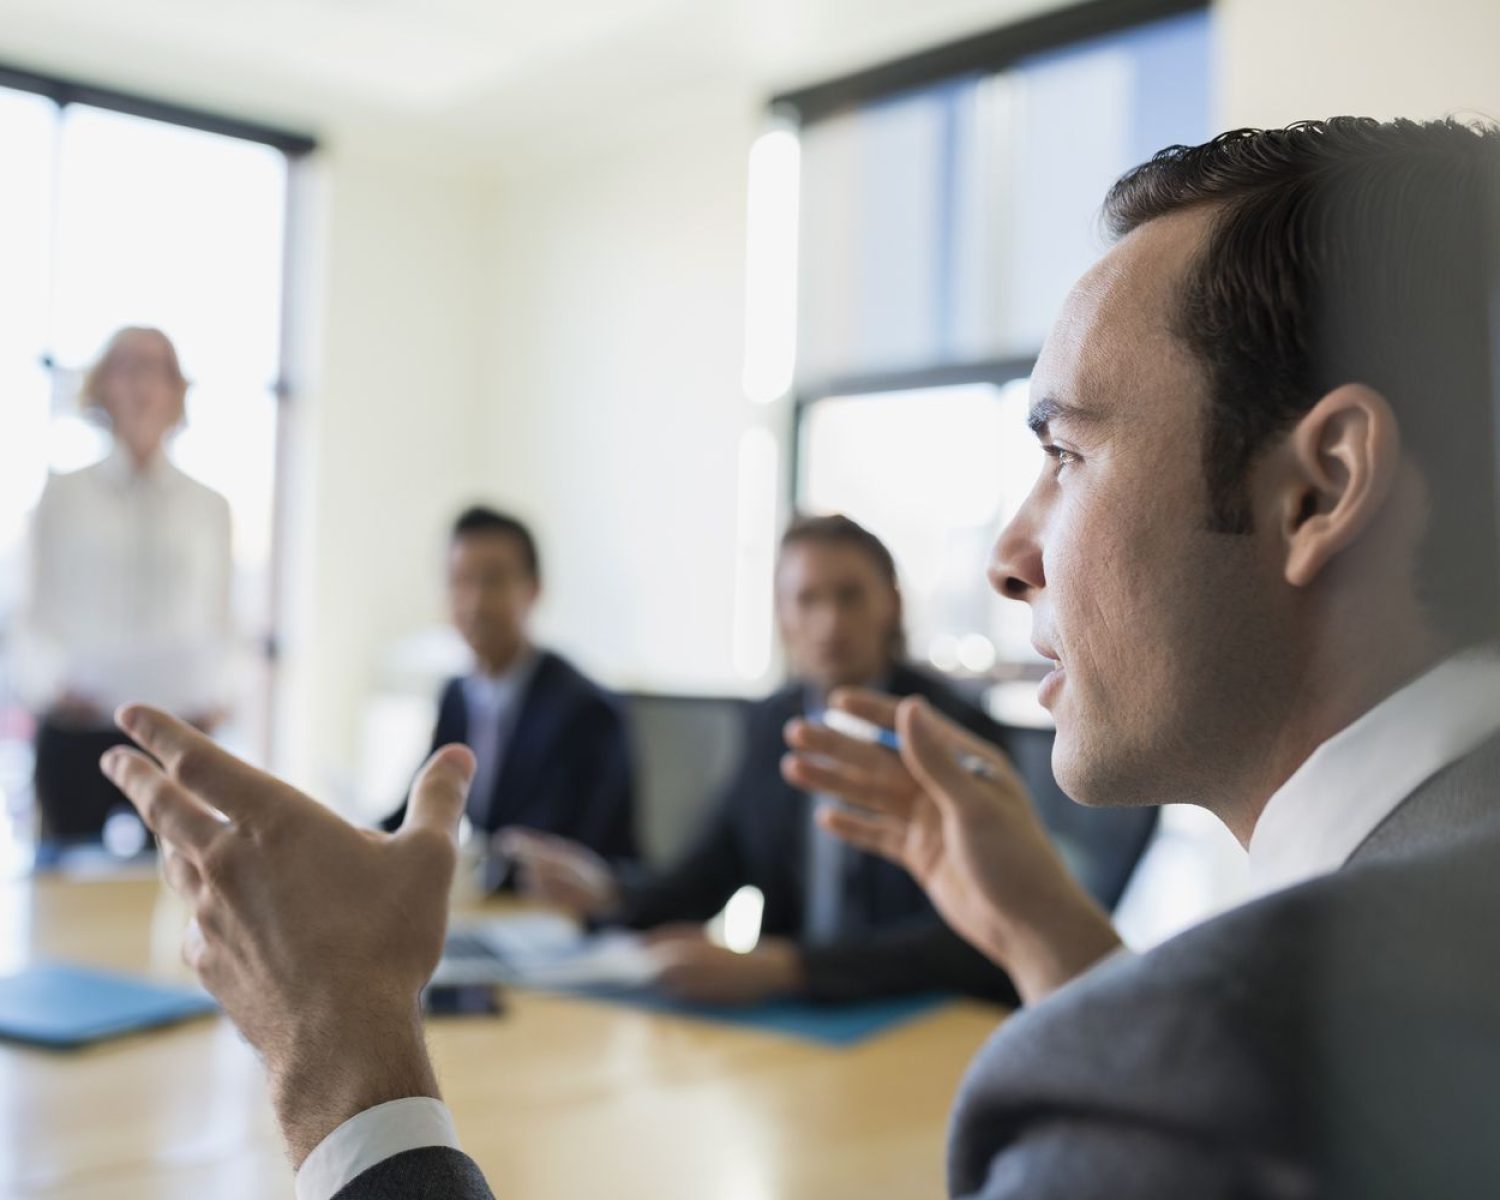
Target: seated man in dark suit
x=837, y=923
x=552, y=748
x=1264, y=554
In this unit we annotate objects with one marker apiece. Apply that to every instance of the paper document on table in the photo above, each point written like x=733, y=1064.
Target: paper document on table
x=542, y=950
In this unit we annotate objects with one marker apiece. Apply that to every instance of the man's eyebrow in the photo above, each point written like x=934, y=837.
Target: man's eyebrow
x=1048, y=409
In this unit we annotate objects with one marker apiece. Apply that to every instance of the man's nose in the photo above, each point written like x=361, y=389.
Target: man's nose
x=1015, y=570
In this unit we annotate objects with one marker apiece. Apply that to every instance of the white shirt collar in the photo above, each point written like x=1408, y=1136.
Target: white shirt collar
x=120, y=467
x=479, y=683
x=1358, y=777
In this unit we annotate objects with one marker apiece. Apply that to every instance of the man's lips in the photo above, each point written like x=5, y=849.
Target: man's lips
x=1047, y=691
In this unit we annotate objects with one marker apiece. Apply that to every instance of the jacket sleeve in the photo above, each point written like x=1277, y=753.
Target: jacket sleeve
x=919, y=955
x=598, y=783
x=1104, y=1156
x=432, y=1173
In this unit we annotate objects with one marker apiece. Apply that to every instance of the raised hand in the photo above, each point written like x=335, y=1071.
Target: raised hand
x=315, y=936
x=952, y=811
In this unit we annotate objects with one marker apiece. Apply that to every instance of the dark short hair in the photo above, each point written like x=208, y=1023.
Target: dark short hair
x=835, y=529
x=1347, y=251
x=480, y=519
x=838, y=530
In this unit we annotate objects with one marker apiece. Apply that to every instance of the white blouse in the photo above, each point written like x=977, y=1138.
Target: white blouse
x=129, y=590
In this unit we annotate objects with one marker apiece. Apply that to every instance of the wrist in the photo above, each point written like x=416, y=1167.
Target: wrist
x=337, y=1065
x=1055, y=943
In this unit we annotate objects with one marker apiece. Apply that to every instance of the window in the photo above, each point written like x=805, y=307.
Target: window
x=941, y=225
x=112, y=218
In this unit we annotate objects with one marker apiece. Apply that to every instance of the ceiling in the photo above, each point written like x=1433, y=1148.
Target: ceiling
x=488, y=75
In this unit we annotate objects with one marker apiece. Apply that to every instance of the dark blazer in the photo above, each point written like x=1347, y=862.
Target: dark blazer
x=1338, y=1041
x=756, y=835
x=567, y=769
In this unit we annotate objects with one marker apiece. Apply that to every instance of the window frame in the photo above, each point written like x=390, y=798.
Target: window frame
x=297, y=149
x=985, y=53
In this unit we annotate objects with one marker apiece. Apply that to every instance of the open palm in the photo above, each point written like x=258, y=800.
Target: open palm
x=952, y=811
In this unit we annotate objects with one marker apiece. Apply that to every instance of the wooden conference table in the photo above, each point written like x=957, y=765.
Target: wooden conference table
x=557, y=1099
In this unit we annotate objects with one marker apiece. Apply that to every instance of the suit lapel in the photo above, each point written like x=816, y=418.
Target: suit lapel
x=1458, y=803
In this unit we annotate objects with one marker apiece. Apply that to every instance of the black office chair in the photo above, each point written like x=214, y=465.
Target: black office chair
x=1102, y=846
x=685, y=748
x=687, y=745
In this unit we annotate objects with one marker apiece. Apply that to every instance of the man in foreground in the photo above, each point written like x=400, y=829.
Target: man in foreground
x=1263, y=554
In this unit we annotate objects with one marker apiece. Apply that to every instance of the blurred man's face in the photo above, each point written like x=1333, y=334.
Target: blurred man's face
x=491, y=593
x=141, y=393
x=1170, y=641
x=838, y=614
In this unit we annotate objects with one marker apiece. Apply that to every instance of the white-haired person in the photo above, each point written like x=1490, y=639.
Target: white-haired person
x=128, y=586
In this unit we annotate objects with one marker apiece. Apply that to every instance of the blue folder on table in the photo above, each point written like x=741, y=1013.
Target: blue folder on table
x=62, y=1006
x=844, y=1024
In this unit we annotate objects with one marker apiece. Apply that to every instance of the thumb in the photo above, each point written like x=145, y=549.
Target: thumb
x=927, y=753
x=441, y=787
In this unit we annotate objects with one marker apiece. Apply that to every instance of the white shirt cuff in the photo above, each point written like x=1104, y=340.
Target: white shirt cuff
x=372, y=1137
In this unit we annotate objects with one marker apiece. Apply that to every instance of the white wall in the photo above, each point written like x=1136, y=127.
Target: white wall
x=1290, y=60
x=615, y=403
x=388, y=355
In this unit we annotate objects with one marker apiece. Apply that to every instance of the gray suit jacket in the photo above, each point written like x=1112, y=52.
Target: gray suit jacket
x=1340, y=1039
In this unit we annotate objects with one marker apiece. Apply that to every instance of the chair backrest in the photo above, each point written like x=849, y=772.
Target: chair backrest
x=685, y=748
x=1101, y=845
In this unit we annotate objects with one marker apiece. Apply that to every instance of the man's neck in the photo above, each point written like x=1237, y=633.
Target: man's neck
x=500, y=664
x=1330, y=698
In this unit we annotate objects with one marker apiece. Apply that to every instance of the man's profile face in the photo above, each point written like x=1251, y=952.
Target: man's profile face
x=838, y=614
x=1166, y=633
x=491, y=592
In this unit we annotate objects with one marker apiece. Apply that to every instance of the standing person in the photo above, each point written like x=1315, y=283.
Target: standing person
x=837, y=924
x=552, y=747
x=129, y=589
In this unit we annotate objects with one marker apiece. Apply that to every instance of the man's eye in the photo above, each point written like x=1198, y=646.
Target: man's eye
x=1062, y=458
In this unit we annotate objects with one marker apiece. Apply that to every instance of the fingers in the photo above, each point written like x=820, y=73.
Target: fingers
x=675, y=933
x=438, y=795
x=857, y=787
x=931, y=747
x=875, y=707
x=194, y=760
x=533, y=845
x=170, y=811
x=193, y=945
x=882, y=835
x=179, y=872
x=811, y=737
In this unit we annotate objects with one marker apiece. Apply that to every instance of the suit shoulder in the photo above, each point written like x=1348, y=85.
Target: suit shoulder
x=776, y=709
x=909, y=680
x=564, y=684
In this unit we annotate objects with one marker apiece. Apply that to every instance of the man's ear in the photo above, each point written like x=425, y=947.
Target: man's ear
x=1342, y=460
